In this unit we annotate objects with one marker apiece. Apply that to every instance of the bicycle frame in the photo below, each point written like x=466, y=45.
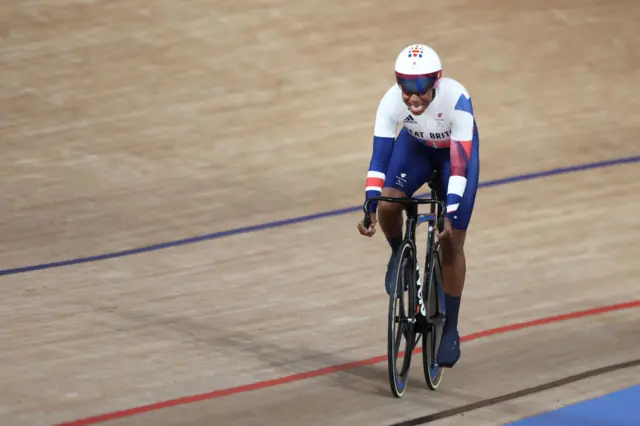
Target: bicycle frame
x=423, y=322
x=435, y=217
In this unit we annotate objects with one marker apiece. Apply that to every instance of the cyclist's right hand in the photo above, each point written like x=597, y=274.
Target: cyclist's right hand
x=368, y=232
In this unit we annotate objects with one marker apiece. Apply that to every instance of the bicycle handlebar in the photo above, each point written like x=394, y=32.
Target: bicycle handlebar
x=404, y=201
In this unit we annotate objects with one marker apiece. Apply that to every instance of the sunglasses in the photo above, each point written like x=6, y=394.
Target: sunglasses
x=417, y=84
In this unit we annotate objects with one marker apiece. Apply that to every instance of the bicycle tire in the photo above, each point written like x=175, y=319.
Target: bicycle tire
x=404, y=317
x=433, y=334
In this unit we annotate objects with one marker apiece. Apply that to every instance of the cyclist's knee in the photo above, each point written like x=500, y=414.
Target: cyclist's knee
x=393, y=192
x=386, y=208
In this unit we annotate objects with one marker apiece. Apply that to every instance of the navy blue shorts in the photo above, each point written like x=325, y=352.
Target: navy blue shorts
x=412, y=165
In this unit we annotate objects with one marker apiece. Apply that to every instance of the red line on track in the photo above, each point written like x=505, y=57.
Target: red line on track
x=100, y=418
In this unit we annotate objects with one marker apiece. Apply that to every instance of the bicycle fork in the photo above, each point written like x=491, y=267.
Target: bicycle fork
x=420, y=308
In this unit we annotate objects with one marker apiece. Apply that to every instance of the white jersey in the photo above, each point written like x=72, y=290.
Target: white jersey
x=447, y=123
x=437, y=125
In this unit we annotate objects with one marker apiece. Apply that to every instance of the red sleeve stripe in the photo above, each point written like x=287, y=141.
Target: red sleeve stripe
x=374, y=182
x=460, y=151
x=466, y=145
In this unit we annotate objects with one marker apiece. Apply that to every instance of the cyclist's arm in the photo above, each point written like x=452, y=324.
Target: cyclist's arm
x=384, y=134
x=462, y=122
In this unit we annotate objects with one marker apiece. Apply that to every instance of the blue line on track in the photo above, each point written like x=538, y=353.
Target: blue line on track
x=307, y=218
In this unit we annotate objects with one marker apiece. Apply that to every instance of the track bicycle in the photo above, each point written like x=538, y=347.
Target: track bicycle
x=415, y=314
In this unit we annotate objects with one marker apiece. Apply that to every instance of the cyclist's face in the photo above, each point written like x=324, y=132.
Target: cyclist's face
x=417, y=103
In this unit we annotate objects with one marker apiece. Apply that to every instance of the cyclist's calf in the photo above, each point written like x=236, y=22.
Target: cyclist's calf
x=454, y=246
x=454, y=265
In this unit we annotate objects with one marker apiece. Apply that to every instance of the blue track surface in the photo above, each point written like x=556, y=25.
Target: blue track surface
x=621, y=408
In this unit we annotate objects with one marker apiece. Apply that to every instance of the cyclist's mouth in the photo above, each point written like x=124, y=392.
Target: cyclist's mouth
x=417, y=107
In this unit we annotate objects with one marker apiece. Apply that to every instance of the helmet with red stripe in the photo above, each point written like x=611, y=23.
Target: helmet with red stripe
x=418, y=68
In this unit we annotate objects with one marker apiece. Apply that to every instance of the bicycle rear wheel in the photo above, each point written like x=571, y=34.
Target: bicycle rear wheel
x=433, y=333
x=401, y=320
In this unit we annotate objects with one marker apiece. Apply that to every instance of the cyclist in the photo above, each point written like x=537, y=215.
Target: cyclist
x=438, y=133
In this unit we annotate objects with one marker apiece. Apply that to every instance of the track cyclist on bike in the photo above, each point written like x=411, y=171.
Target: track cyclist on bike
x=438, y=133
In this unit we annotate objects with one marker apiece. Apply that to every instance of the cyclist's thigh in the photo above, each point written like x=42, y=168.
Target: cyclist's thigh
x=409, y=167
x=462, y=216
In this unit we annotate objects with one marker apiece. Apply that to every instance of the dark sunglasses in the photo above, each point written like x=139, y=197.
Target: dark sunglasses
x=416, y=84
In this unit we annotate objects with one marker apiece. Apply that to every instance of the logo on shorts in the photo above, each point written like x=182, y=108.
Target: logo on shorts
x=400, y=180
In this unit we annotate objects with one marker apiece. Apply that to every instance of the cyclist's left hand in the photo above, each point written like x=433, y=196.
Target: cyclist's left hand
x=368, y=232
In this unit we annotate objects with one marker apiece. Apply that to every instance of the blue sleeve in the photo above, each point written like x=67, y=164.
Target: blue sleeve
x=380, y=157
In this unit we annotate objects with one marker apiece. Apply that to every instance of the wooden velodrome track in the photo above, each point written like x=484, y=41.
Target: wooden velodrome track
x=126, y=124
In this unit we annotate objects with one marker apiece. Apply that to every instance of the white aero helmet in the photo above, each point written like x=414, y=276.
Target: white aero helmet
x=418, y=68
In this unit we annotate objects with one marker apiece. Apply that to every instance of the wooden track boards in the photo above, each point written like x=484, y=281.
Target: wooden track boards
x=125, y=124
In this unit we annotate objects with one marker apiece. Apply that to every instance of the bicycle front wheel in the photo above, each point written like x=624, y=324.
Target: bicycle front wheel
x=401, y=320
x=433, y=333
